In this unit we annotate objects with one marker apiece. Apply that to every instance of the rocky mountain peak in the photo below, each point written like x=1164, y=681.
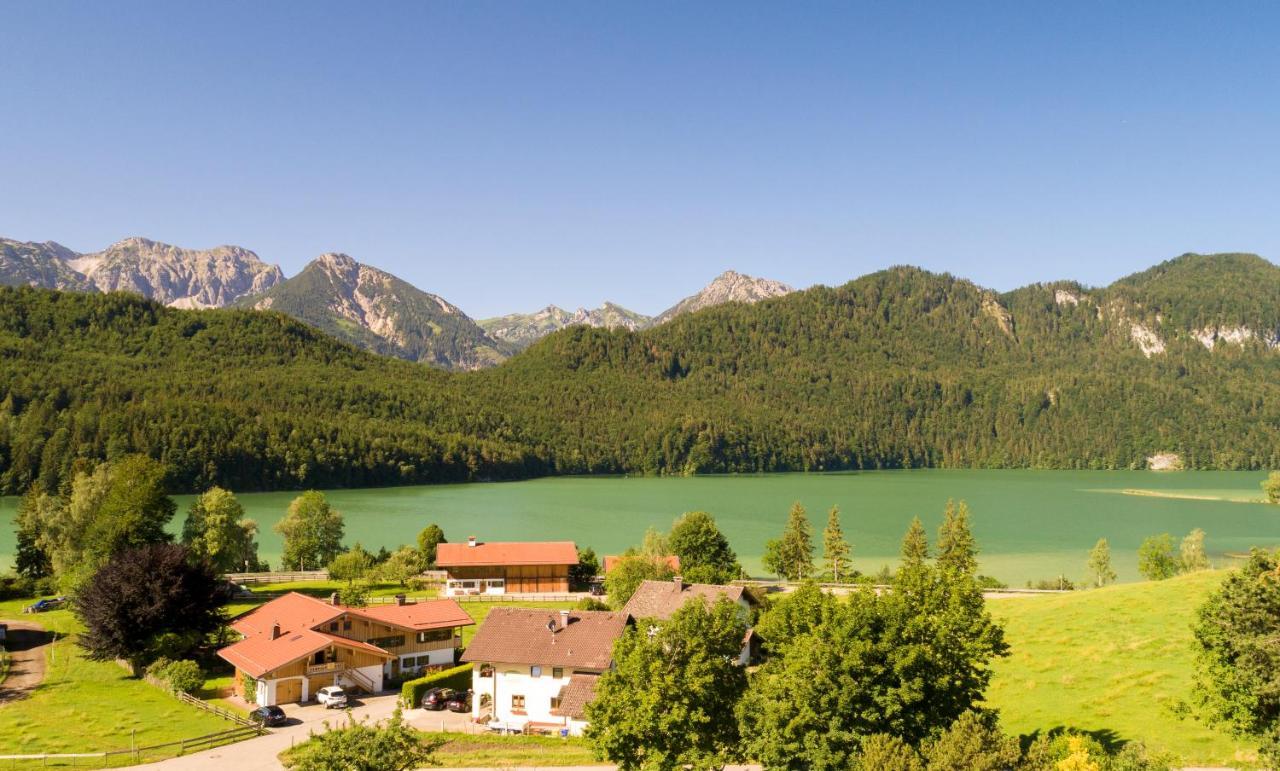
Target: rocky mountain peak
x=729, y=286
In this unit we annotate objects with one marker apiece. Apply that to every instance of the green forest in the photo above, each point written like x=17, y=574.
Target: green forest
x=901, y=368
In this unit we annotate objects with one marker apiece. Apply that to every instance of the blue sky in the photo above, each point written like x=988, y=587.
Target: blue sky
x=509, y=155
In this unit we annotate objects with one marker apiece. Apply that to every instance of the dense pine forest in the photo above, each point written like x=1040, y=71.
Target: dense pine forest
x=899, y=368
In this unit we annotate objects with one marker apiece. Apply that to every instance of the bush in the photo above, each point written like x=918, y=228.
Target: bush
x=184, y=676
x=457, y=678
x=882, y=752
x=250, y=687
x=590, y=603
x=1060, y=583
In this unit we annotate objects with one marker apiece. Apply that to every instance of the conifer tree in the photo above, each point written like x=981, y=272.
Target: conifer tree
x=835, y=549
x=792, y=555
x=957, y=549
x=915, y=545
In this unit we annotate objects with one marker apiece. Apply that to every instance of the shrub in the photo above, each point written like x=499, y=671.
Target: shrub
x=973, y=743
x=457, y=678
x=590, y=603
x=882, y=752
x=184, y=675
x=250, y=687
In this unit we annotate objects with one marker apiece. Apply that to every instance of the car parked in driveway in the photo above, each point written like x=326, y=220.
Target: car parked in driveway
x=331, y=696
x=459, y=702
x=268, y=716
x=435, y=698
x=48, y=603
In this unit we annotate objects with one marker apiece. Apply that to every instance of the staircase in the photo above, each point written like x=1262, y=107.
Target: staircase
x=357, y=679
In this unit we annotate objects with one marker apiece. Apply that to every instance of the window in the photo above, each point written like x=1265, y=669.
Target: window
x=535, y=671
x=555, y=702
x=394, y=641
x=435, y=635
x=333, y=626
x=346, y=625
x=517, y=704
x=486, y=670
x=557, y=672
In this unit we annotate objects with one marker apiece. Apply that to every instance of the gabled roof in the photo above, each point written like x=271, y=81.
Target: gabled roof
x=433, y=614
x=293, y=612
x=533, y=636
x=507, y=553
x=575, y=695
x=260, y=654
x=611, y=561
x=661, y=599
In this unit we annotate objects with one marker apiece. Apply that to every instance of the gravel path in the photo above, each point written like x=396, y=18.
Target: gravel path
x=26, y=645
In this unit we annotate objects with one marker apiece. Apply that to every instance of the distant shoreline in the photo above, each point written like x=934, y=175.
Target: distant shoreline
x=1181, y=495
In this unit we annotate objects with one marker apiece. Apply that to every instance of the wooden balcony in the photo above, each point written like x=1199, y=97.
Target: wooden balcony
x=324, y=669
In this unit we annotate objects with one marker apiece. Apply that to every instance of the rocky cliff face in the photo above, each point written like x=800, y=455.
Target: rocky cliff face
x=729, y=286
x=184, y=278
x=378, y=311
x=43, y=265
x=522, y=329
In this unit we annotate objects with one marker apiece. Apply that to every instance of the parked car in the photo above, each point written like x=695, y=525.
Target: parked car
x=268, y=716
x=233, y=591
x=460, y=702
x=331, y=696
x=435, y=698
x=597, y=588
x=48, y=603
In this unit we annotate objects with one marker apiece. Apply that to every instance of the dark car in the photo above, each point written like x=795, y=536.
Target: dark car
x=435, y=698
x=48, y=603
x=460, y=702
x=268, y=716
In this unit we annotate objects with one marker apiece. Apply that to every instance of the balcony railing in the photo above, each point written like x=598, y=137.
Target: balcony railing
x=324, y=669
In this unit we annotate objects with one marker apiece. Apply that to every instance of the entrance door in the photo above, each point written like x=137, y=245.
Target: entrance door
x=289, y=691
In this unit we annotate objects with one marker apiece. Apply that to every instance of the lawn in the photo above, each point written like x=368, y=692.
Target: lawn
x=91, y=706
x=495, y=751
x=1111, y=661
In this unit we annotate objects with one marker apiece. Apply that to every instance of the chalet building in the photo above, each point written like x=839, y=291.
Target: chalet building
x=659, y=600
x=529, y=567
x=536, y=670
x=295, y=645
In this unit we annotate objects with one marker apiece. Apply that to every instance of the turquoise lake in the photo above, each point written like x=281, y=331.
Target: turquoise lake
x=1030, y=524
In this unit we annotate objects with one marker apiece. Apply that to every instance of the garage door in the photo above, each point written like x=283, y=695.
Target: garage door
x=288, y=691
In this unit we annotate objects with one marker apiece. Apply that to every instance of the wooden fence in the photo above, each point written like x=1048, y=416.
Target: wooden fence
x=134, y=755
x=277, y=578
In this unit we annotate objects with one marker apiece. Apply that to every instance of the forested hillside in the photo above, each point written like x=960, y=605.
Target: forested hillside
x=899, y=368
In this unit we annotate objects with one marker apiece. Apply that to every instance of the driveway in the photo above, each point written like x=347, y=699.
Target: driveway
x=260, y=754
x=26, y=644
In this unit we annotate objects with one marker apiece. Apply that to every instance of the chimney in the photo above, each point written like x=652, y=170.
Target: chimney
x=564, y=618
x=471, y=540
x=333, y=599
x=400, y=599
x=679, y=582
x=275, y=630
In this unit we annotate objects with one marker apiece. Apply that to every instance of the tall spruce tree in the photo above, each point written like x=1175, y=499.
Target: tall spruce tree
x=791, y=556
x=957, y=549
x=915, y=545
x=835, y=549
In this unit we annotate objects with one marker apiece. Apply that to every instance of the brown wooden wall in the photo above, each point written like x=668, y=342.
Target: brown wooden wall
x=520, y=578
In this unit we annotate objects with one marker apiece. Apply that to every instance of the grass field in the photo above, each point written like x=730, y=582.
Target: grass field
x=1109, y=661
x=91, y=706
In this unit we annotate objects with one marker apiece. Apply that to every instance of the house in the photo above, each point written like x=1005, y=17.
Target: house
x=524, y=567
x=294, y=645
x=536, y=670
x=659, y=600
x=611, y=561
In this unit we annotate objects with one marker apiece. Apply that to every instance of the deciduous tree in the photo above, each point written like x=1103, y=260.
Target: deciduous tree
x=1156, y=560
x=1100, y=570
x=430, y=537
x=217, y=530
x=698, y=542
x=352, y=565
x=145, y=597
x=361, y=746
x=669, y=700
x=1271, y=487
x=403, y=564
x=1191, y=553
x=629, y=572
x=312, y=531
x=588, y=566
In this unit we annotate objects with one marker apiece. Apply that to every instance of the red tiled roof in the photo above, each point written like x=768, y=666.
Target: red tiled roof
x=507, y=553
x=356, y=644
x=433, y=614
x=611, y=561
x=293, y=612
x=533, y=636
x=661, y=599
x=260, y=654
x=574, y=697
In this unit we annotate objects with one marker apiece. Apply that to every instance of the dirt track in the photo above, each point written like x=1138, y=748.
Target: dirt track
x=26, y=645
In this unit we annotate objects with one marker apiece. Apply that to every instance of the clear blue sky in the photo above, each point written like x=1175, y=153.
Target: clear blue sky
x=507, y=155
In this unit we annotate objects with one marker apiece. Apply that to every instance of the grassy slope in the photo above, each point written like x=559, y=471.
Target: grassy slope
x=1111, y=661
x=91, y=706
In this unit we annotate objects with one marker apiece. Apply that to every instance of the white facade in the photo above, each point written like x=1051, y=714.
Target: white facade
x=461, y=587
x=520, y=694
x=267, y=690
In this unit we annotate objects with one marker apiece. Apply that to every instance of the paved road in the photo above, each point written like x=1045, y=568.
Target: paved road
x=26, y=644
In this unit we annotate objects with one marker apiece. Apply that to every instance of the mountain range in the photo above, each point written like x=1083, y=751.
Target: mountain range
x=899, y=368
x=357, y=303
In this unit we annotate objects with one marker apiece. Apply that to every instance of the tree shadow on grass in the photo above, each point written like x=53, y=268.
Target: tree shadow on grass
x=1109, y=739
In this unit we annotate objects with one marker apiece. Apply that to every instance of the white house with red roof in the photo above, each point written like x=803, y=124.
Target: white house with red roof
x=512, y=567
x=294, y=645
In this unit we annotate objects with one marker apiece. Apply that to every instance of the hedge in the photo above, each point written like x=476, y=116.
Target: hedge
x=457, y=678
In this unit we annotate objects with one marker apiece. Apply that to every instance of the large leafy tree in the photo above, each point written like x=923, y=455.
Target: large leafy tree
x=361, y=746
x=704, y=552
x=148, y=600
x=352, y=565
x=217, y=530
x=588, y=566
x=116, y=506
x=629, y=572
x=31, y=560
x=403, y=563
x=907, y=663
x=1237, y=680
x=1156, y=560
x=793, y=616
x=312, y=532
x=669, y=700
x=835, y=549
x=791, y=556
